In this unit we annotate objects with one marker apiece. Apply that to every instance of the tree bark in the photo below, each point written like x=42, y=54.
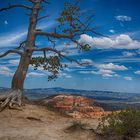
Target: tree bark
x=21, y=72
x=14, y=97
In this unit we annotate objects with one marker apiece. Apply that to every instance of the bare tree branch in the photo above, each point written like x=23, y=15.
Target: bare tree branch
x=57, y=52
x=10, y=51
x=52, y=41
x=40, y=18
x=55, y=35
x=94, y=32
x=22, y=45
x=16, y=6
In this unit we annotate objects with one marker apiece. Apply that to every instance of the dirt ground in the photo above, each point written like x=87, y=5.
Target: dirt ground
x=37, y=123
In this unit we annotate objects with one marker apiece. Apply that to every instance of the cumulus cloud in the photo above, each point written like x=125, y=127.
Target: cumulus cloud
x=119, y=42
x=111, y=66
x=128, y=78
x=106, y=70
x=103, y=72
x=86, y=61
x=137, y=72
x=5, y=71
x=123, y=18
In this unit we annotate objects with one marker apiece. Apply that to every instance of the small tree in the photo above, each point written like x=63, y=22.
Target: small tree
x=71, y=26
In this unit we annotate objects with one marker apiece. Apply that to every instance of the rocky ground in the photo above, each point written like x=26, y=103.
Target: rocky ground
x=37, y=123
x=75, y=106
x=61, y=117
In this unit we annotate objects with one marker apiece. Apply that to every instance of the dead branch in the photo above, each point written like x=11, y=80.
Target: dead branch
x=22, y=45
x=59, y=53
x=55, y=35
x=11, y=99
x=10, y=51
x=52, y=41
x=91, y=30
x=16, y=6
x=40, y=18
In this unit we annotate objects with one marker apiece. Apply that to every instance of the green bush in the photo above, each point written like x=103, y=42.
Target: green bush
x=124, y=123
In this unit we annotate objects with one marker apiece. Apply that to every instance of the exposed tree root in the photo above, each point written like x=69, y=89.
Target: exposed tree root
x=12, y=100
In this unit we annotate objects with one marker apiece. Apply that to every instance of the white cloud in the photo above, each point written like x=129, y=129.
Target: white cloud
x=73, y=65
x=118, y=42
x=111, y=31
x=128, y=54
x=14, y=62
x=107, y=75
x=11, y=39
x=128, y=78
x=123, y=18
x=137, y=72
x=64, y=75
x=111, y=66
x=5, y=71
x=106, y=70
x=85, y=72
x=14, y=38
x=35, y=74
x=86, y=61
x=103, y=72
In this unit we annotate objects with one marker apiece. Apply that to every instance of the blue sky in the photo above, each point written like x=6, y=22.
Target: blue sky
x=114, y=61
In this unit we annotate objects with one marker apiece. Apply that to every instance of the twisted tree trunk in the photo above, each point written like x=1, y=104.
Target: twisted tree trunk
x=13, y=98
x=20, y=74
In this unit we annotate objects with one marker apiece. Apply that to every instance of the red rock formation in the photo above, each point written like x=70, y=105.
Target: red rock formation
x=75, y=106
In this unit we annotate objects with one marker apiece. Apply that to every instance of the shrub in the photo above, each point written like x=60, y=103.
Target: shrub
x=76, y=125
x=124, y=123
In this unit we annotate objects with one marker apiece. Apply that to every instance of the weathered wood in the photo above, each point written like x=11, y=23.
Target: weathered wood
x=11, y=99
x=21, y=72
x=14, y=97
x=16, y=6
